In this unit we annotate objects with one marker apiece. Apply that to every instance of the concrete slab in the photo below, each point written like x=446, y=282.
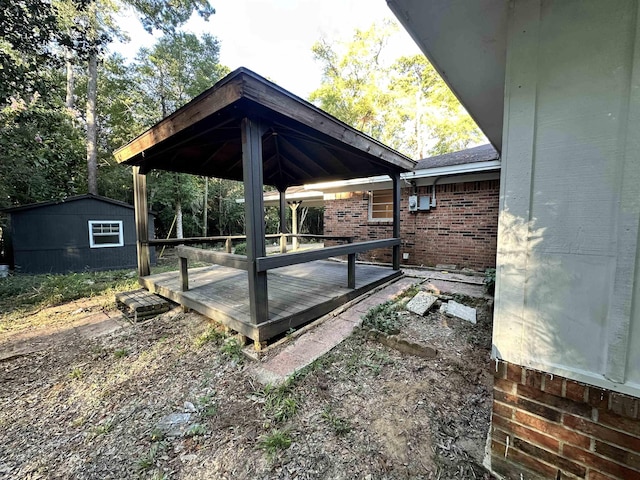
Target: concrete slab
x=463, y=312
x=421, y=303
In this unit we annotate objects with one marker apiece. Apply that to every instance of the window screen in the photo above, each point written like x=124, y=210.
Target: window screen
x=105, y=233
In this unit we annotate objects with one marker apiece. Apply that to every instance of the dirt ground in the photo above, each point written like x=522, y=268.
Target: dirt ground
x=97, y=408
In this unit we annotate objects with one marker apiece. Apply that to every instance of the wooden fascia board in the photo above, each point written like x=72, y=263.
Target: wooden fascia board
x=290, y=106
x=197, y=110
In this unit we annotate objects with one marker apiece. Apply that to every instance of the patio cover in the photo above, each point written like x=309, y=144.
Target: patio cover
x=300, y=142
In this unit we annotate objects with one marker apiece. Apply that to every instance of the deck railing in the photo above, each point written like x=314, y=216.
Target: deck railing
x=263, y=264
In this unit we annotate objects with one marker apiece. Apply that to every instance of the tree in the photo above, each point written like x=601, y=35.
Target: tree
x=401, y=102
x=176, y=69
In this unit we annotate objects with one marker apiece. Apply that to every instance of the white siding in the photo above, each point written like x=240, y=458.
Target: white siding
x=570, y=207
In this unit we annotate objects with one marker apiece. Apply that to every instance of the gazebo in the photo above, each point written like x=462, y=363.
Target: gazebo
x=247, y=128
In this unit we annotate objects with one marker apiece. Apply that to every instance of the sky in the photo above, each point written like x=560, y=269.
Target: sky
x=274, y=38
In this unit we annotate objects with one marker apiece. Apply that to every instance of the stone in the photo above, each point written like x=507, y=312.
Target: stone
x=455, y=309
x=174, y=424
x=189, y=407
x=421, y=303
x=407, y=346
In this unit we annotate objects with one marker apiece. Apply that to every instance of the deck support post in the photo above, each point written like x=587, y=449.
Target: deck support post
x=228, y=244
x=142, y=222
x=252, y=171
x=283, y=221
x=184, y=274
x=351, y=270
x=395, y=177
x=294, y=224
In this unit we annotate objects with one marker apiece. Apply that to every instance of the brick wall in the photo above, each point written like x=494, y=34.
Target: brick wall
x=549, y=427
x=460, y=230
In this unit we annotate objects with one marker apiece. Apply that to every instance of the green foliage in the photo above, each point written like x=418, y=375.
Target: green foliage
x=148, y=460
x=42, y=153
x=76, y=373
x=490, y=280
x=212, y=334
x=340, y=426
x=33, y=291
x=196, y=430
x=274, y=442
x=240, y=249
x=120, y=353
x=401, y=102
x=232, y=349
x=280, y=403
x=383, y=317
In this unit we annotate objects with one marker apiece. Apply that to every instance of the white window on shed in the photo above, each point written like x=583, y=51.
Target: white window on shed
x=105, y=233
x=381, y=205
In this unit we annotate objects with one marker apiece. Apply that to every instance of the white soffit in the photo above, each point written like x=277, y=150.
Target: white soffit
x=465, y=41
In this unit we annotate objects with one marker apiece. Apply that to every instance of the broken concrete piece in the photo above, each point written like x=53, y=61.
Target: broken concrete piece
x=174, y=424
x=421, y=303
x=455, y=309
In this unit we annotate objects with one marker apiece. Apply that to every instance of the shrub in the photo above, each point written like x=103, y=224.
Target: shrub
x=241, y=249
x=490, y=280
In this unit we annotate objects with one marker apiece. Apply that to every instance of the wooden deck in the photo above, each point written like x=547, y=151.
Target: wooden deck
x=297, y=293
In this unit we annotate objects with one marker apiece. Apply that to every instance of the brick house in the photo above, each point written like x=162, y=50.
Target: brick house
x=555, y=87
x=458, y=225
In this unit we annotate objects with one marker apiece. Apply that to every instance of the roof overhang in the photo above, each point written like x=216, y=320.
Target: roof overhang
x=300, y=144
x=452, y=174
x=465, y=41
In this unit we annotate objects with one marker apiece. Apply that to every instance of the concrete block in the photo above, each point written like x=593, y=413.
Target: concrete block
x=455, y=309
x=421, y=303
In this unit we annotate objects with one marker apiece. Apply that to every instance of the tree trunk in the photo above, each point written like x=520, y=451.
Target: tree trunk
x=179, y=232
x=69, y=100
x=92, y=152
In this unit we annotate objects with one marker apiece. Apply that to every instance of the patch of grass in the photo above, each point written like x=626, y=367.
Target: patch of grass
x=157, y=435
x=339, y=425
x=120, y=353
x=76, y=373
x=490, y=280
x=275, y=441
x=211, y=334
x=29, y=292
x=383, y=317
x=410, y=292
x=207, y=406
x=232, y=349
x=103, y=428
x=196, y=430
x=148, y=460
x=280, y=404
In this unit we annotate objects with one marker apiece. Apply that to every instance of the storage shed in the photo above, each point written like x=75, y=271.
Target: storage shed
x=80, y=233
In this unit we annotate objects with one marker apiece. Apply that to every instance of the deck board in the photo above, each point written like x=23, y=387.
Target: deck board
x=296, y=292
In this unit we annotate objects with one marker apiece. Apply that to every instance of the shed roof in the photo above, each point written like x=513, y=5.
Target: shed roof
x=74, y=198
x=302, y=143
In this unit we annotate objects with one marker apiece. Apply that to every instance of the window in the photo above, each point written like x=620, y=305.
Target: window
x=381, y=206
x=105, y=233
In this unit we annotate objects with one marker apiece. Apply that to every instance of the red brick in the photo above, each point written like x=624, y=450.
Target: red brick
x=560, y=403
x=630, y=459
x=575, y=391
x=514, y=372
x=553, y=385
x=533, y=378
x=623, y=405
x=503, y=410
x=528, y=405
x=620, y=423
x=554, y=429
x=595, y=475
x=526, y=434
x=520, y=458
x=506, y=386
x=562, y=462
x=601, y=432
x=599, y=463
x=598, y=398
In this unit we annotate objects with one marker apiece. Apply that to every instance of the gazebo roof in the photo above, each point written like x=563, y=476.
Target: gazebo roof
x=301, y=143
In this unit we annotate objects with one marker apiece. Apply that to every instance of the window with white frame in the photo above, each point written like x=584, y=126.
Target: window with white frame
x=381, y=205
x=105, y=233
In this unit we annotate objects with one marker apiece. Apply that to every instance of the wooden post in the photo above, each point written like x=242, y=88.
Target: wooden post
x=351, y=270
x=283, y=221
x=142, y=221
x=294, y=223
x=396, y=219
x=184, y=274
x=252, y=171
x=227, y=245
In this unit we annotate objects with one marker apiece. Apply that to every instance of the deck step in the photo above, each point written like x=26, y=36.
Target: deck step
x=141, y=304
